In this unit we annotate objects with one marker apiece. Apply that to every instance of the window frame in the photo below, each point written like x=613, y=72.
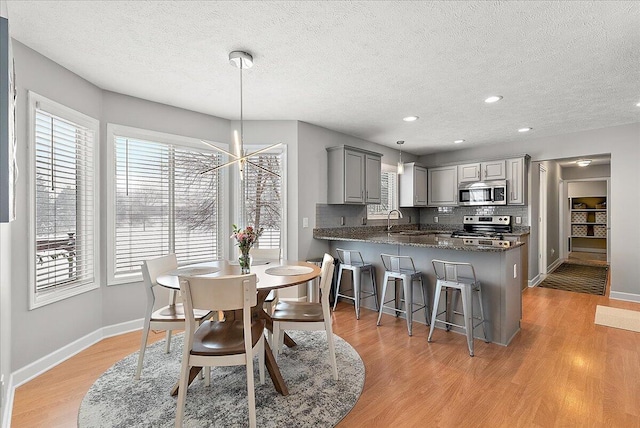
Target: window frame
x=116, y=130
x=37, y=101
x=250, y=148
x=396, y=196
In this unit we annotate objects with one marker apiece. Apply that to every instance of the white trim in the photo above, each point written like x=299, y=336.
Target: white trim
x=535, y=281
x=31, y=371
x=553, y=266
x=36, y=368
x=8, y=403
x=628, y=297
x=35, y=100
x=114, y=130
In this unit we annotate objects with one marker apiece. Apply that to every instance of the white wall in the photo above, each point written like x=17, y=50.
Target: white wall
x=623, y=143
x=591, y=171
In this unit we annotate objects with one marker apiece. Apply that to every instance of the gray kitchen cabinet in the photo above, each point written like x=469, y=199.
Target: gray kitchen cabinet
x=353, y=176
x=412, y=186
x=517, y=181
x=482, y=171
x=442, y=185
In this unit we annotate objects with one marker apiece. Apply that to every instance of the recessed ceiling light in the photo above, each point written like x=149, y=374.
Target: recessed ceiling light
x=583, y=162
x=493, y=99
x=524, y=129
x=458, y=141
x=638, y=105
x=410, y=118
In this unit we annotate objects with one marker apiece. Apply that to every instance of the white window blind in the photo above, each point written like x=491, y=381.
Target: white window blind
x=389, y=196
x=64, y=211
x=164, y=204
x=263, y=197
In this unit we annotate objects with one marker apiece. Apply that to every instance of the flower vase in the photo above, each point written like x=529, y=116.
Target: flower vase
x=245, y=263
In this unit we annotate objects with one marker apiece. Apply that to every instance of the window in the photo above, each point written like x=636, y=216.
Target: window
x=389, y=196
x=165, y=201
x=263, y=196
x=63, y=223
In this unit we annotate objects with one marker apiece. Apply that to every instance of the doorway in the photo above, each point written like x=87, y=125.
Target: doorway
x=542, y=222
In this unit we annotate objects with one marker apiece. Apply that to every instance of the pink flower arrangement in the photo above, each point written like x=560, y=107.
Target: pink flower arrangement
x=245, y=238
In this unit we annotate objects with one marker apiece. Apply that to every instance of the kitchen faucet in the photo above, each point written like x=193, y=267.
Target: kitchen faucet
x=389, y=218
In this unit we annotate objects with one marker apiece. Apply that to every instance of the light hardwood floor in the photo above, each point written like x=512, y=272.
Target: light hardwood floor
x=561, y=370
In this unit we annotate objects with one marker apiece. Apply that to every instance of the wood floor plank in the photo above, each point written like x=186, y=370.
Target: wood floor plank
x=561, y=370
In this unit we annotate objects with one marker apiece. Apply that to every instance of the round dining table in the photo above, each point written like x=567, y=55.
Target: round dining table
x=271, y=275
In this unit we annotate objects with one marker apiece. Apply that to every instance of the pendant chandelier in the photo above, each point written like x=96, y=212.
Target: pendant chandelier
x=241, y=60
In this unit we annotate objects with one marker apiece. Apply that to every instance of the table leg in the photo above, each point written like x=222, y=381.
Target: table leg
x=274, y=371
x=193, y=373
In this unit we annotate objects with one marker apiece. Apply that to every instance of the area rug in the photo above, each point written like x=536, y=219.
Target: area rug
x=618, y=318
x=314, y=400
x=578, y=278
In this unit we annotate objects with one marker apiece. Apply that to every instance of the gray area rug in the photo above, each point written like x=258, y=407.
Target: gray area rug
x=314, y=400
x=578, y=278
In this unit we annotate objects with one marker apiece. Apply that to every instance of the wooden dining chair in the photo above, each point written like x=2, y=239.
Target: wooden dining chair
x=170, y=317
x=307, y=315
x=230, y=342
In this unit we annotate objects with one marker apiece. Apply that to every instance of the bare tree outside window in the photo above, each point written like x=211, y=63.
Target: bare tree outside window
x=263, y=197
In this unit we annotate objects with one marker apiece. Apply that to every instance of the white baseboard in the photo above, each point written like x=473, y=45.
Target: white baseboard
x=8, y=403
x=629, y=297
x=30, y=371
x=535, y=281
x=553, y=266
x=540, y=277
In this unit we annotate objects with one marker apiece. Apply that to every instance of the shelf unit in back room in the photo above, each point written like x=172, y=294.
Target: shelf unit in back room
x=588, y=224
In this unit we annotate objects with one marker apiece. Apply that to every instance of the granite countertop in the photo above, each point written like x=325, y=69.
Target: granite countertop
x=434, y=238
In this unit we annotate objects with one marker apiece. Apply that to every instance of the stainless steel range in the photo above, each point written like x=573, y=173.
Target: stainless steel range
x=485, y=230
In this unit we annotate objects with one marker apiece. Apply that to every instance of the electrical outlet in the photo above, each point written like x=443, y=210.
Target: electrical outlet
x=305, y=222
x=435, y=219
x=342, y=221
x=515, y=271
x=364, y=221
x=518, y=220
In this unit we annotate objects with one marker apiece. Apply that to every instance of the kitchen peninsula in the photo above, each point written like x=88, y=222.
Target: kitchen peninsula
x=499, y=269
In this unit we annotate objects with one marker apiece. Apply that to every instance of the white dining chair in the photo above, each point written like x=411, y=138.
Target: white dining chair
x=308, y=316
x=231, y=342
x=167, y=318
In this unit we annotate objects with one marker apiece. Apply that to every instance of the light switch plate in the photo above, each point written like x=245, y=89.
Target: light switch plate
x=435, y=219
x=518, y=220
x=305, y=222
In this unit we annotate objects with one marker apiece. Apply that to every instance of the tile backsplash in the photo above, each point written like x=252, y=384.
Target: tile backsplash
x=329, y=216
x=454, y=215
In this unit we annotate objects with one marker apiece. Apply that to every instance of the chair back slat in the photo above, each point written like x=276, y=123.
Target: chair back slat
x=454, y=271
x=265, y=253
x=398, y=264
x=220, y=293
x=350, y=257
x=153, y=268
x=326, y=275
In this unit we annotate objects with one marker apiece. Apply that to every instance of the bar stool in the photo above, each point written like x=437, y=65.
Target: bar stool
x=457, y=277
x=352, y=260
x=402, y=268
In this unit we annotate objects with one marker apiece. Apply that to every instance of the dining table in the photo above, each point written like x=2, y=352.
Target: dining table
x=271, y=275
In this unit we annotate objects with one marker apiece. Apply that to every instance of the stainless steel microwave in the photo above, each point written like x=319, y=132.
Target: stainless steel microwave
x=483, y=193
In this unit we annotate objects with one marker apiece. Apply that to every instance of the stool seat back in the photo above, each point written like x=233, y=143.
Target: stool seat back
x=350, y=257
x=398, y=264
x=454, y=271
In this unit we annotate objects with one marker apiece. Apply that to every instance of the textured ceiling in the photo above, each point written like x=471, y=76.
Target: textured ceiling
x=359, y=67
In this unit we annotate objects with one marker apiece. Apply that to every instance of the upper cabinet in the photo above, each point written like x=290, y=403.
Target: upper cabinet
x=442, y=186
x=517, y=181
x=412, y=186
x=482, y=171
x=353, y=176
